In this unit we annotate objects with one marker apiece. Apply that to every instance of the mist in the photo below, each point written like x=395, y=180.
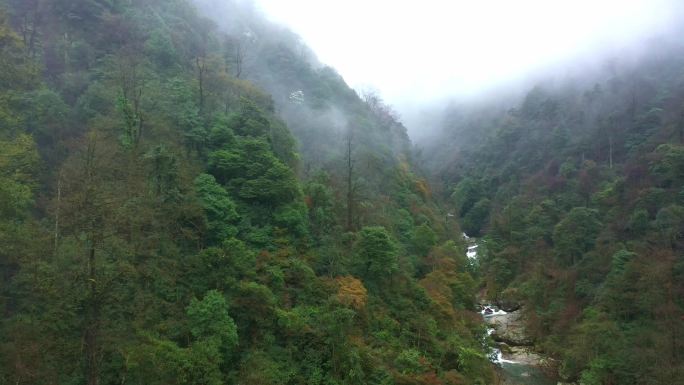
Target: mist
x=421, y=55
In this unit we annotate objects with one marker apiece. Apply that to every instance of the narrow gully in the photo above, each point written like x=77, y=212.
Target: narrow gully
x=516, y=365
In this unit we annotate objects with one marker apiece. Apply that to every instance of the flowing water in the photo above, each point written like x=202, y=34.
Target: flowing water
x=517, y=366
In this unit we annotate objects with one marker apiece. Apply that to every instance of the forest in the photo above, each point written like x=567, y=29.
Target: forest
x=184, y=203
x=189, y=196
x=577, y=190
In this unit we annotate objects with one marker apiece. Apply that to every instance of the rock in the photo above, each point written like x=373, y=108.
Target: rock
x=505, y=349
x=509, y=328
x=525, y=356
x=508, y=306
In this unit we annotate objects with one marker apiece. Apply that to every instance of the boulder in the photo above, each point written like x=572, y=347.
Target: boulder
x=509, y=328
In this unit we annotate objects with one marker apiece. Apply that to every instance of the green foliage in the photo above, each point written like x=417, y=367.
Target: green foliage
x=319, y=199
x=376, y=254
x=163, y=173
x=598, y=372
x=18, y=161
x=292, y=217
x=209, y=319
x=17, y=73
x=251, y=172
x=423, y=239
x=670, y=222
x=581, y=191
x=576, y=234
x=409, y=362
x=218, y=207
x=220, y=267
x=620, y=259
x=161, y=49
x=157, y=225
x=466, y=194
x=164, y=362
x=251, y=120
x=639, y=222
x=476, y=217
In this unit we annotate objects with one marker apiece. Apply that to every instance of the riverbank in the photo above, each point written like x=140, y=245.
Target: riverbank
x=514, y=353
x=517, y=362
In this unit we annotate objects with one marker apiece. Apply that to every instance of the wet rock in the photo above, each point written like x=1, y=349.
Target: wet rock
x=509, y=306
x=525, y=356
x=509, y=328
x=505, y=349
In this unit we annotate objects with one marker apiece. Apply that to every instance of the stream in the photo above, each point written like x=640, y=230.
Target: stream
x=518, y=365
x=517, y=362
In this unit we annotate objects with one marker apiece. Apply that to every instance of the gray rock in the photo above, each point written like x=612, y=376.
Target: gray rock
x=509, y=328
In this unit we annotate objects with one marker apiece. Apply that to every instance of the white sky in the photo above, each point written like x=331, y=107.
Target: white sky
x=430, y=49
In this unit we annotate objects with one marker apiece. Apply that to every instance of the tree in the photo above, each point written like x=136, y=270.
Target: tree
x=351, y=183
x=476, y=218
x=252, y=173
x=18, y=166
x=423, y=239
x=351, y=292
x=153, y=228
x=466, y=193
x=17, y=74
x=576, y=234
x=163, y=173
x=670, y=222
x=319, y=199
x=132, y=75
x=210, y=321
x=18, y=162
x=669, y=164
x=376, y=255
x=92, y=193
x=218, y=207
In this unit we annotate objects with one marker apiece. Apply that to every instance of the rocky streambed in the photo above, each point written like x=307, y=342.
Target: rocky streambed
x=517, y=361
x=514, y=354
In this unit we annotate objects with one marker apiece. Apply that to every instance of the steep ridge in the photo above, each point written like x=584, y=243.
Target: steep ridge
x=577, y=192
x=161, y=225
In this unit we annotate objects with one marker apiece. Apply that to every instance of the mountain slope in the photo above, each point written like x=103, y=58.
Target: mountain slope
x=577, y=190
x=161, y=225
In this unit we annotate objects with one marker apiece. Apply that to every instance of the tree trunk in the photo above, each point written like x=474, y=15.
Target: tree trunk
x=350, y=184
x=681, y=126
x=59, y=200
x=201, y=69
x=610, y=150
x=239, y=57
x=92, y=323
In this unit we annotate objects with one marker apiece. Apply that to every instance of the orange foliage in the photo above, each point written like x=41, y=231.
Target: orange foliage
x=438, y=259
x=351, y=292
x=423, y=189
x=453, y=377
x=404, y=167
x=308, y=201
x=436, y=284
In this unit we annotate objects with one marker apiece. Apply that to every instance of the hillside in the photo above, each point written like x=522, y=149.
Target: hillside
x=183, y=202
x=577, y=190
